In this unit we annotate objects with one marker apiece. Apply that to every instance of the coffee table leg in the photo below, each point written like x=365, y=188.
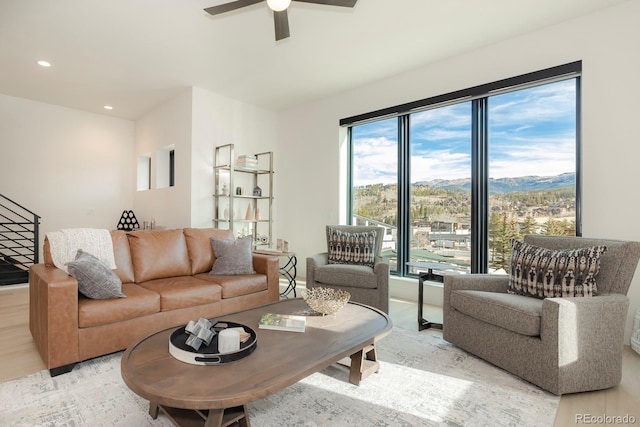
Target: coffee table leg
x=363, y=364
x=153, y=410
x=239, y=414
x=244, y=422
x=214, y=419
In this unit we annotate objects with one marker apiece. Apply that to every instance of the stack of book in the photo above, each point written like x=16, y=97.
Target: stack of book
x=247, y=161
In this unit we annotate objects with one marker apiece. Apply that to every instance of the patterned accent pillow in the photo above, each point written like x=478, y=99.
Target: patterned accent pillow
x=545, y=273
x=232, y=256
x=351, y=247
x=95, y=279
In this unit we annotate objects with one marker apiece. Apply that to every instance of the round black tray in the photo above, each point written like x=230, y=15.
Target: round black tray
x=209, y=355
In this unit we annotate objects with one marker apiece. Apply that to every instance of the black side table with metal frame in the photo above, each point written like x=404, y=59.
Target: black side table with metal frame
x=289, y=270
x=422, y=277
x=428, y=275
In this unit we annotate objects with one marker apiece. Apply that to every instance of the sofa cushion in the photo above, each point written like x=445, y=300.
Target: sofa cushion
x=157, y=254
x=516, y=313
x=351, y=247
x=545, y=273
x=237, y=285
x=139, y=302
x=358, y=276
x=122, y=254
x=95, y=279
x=232, y=256
x=183, y=292
x=199, y=246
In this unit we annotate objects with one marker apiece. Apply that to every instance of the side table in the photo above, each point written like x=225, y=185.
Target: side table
x=288, y=268
x=422, y=277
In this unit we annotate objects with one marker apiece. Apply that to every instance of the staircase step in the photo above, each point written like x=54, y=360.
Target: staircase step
x=11, y=274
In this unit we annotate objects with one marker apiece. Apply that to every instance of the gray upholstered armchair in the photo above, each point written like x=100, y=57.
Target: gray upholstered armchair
x=563, y=345
x=367, y=284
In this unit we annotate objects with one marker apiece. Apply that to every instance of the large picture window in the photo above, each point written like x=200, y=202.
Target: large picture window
x=452, y=182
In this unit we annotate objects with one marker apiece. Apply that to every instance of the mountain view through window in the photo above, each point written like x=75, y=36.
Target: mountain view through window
x=531, y=164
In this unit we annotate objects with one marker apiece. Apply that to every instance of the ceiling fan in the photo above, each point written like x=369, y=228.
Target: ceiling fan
x=279, y=8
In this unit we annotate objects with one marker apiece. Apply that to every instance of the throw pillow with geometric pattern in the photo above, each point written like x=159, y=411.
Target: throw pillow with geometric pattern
x=351, y=247
x=545, y=273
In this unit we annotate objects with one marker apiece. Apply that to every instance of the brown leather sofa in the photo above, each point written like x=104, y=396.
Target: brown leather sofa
x=165, y=276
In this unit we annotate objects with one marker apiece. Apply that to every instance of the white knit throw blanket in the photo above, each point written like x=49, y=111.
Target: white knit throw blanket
x=64, y=245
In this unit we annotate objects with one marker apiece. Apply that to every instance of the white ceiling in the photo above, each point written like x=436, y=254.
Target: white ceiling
x=134, y=54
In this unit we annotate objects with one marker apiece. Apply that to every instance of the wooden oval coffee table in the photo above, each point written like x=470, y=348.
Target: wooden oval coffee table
x=218, y=395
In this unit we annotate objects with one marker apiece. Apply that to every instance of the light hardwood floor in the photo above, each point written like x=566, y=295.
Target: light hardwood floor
x=19, y=357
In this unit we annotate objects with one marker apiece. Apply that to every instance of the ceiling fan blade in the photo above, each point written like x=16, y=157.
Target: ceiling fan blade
x=228, y=7
x=342, y=3
x=281, y=22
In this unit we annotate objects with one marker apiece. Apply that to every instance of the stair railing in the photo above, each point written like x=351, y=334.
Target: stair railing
x=19, y=233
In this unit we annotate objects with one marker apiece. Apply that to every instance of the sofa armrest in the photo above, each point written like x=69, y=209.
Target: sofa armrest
x=270, y=266
x=53, y=315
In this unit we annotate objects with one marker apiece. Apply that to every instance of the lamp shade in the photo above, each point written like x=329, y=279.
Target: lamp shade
x=278, y=5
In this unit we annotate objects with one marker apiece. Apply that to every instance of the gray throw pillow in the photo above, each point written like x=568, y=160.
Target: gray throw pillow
x=95, y=279
x=232, y=256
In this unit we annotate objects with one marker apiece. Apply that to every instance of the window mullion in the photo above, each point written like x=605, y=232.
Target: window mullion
x=479, y=186
x=404, y=195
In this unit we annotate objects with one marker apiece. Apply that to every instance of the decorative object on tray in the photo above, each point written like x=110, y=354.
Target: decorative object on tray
x=283, y=322
x=326, y=300
x=218, y=349
x=199, y=332
x=257, y=192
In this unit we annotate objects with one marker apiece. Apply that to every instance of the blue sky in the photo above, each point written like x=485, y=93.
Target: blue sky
x=531, y=132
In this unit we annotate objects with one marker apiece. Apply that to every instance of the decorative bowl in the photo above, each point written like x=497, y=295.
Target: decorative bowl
x=326, y=300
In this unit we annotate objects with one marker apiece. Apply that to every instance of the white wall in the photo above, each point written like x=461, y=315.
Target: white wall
x=218, y=120
x=606, y=42
x=195, y=122
x=74, y=169
x=167, y=124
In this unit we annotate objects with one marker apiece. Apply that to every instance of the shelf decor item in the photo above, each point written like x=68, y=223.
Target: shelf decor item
x=247, y=162
x=326, y=300
x=249, y=215
x=257, y=192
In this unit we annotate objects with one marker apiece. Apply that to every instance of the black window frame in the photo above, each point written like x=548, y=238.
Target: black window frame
x=479, y=96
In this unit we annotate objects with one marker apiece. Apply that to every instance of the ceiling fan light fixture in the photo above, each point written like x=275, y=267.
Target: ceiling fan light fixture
x=278, y=5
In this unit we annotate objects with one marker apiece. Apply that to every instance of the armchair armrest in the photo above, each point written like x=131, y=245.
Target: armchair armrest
x=381, y=269
x=314, y=262
x=270, y=266
x=588, y=325
x=477, y=282
x=53, y=315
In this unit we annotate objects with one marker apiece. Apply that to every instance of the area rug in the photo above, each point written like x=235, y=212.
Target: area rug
x=423, y=381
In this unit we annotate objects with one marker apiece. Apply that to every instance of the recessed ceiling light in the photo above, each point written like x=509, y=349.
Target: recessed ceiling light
x=44, y=63
x=108, y=107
